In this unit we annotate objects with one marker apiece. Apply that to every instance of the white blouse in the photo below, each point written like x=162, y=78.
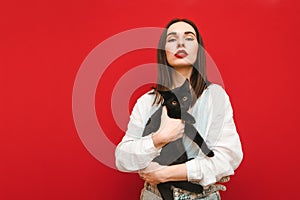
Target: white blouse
x=214, y=121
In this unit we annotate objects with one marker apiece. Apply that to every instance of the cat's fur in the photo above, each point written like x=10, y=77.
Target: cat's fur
x=177, y=102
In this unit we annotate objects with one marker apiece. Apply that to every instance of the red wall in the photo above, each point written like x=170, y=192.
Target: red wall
x=255, y=45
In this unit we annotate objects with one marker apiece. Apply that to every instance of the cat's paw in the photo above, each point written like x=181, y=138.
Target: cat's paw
x=210, y=154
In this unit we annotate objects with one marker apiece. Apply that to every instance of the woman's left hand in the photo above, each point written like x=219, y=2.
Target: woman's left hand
x=154, y=173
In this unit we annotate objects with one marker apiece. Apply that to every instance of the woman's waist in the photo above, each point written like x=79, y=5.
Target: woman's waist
x=208, y=190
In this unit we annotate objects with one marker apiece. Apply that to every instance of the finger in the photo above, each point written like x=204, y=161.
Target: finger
x=152, y=183
x=224, y=179
x=163, y=116
x=164, y=113
x=142, y=173
x=142, y=177
x=180, y=130
x=219, y=187
x=164, y=110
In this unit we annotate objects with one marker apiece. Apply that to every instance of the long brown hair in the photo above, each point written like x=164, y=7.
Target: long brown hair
x=198, y=79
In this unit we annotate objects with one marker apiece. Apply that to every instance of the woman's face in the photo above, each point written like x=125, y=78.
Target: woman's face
x=181, y=45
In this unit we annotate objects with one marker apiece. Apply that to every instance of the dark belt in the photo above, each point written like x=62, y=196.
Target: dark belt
x=179, y=192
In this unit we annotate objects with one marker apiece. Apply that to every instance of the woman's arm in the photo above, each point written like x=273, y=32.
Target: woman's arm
x=155, y=173
x=222, y=138
x=136, y=152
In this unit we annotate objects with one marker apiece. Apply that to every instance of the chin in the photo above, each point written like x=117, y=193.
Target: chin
x=181, y=64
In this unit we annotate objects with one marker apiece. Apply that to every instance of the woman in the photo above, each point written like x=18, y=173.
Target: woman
x=181, y=56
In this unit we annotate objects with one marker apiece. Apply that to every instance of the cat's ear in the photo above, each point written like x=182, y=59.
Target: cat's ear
x=164, y=94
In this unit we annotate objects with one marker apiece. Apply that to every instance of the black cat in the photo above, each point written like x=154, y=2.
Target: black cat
x=177, y=102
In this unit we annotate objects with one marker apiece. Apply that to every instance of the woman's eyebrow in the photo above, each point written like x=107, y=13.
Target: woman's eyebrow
x=172, y=33
x=187, y=32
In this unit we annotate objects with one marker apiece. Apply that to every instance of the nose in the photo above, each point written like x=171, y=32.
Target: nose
x=180, y=43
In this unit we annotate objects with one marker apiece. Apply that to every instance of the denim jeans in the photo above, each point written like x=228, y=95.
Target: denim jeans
x=213, y=196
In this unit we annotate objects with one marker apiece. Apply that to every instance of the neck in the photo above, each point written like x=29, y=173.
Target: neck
x=181, y=74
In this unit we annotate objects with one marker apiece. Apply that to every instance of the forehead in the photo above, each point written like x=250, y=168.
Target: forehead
x=181, y=27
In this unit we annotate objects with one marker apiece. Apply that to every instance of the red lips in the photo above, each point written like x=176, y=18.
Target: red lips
x=181, y=54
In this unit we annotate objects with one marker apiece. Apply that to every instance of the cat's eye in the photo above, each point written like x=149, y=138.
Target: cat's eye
x=174, y=103
x=184, y=99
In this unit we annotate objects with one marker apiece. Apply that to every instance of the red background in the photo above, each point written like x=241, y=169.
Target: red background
x=43, y=43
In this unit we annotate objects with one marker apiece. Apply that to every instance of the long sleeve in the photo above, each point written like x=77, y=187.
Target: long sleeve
x=214, y=121
x=135, y=152
x=217, y=126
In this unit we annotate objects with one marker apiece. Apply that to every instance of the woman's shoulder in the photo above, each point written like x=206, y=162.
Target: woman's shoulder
x=146, y=99
x=217, y=92
x=216, y=89
x=144, y=104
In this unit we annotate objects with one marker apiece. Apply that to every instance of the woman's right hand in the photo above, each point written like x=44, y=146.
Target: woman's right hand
x=170, y=130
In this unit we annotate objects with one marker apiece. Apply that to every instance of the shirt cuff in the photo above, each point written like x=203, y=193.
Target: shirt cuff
x=198, y=173
x=193, y=171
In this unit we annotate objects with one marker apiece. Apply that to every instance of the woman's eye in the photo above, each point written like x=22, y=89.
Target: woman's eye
x=189, y=39
x=174, y=103
x=184, y=98
x=171, y=40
